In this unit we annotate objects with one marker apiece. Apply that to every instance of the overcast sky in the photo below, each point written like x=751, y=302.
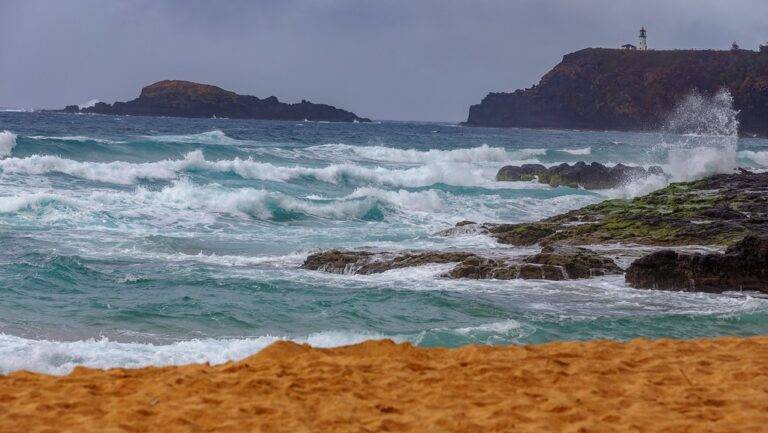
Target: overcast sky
x=409, y=59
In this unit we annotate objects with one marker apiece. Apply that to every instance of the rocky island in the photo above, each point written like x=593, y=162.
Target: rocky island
x=177, y=98
x=611, y=89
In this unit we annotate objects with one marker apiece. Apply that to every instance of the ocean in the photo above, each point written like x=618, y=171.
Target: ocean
x=133, y=241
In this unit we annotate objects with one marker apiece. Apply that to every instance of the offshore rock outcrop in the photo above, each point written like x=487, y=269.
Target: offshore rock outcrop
x=550, y=264
x=597, y=88
x=718, y=210
x=187, y=99
x=744, y=266
x=581, y=174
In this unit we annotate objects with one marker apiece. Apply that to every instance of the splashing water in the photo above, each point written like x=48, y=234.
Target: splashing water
x=707, y=131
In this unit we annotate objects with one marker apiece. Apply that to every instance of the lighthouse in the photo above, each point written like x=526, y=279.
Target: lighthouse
x=643, y=46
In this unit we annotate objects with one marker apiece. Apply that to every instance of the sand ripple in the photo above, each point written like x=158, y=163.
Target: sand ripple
x=665, y=385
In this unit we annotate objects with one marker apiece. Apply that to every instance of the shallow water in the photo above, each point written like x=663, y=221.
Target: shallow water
x=130, y=241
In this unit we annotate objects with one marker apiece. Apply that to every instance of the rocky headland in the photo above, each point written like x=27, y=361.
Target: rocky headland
x=178, y=98
x=597, y=88
x=725, y=210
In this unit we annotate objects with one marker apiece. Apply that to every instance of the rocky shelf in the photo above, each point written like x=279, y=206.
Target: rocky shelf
x=726, y=210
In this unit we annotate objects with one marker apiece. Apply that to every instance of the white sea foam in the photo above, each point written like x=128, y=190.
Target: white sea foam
x=209, y=137
x=27, y=201
x=495, y=327
x=7, y=143
x=483, y=153
x=60, y=357
x=80, y=138
x=584, y=151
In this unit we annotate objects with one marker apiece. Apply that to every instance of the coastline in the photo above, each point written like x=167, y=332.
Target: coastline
x=645, y=385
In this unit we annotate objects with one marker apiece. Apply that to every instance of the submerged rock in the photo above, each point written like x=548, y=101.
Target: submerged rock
x=744, y=266
x=574, y=263
x=579, y=175
x=364, y=263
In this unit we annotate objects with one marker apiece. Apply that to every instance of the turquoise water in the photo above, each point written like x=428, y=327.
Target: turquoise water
x=130, y=241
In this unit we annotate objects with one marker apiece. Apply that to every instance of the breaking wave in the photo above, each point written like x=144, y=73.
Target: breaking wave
x=126, y=173
x=210, y=137
x=29, y=201
x=61, y=357
x=79, y=138
x=483, y=153
x=759, y=158
x=262, y=204
x=7, y=143
x=584, y=151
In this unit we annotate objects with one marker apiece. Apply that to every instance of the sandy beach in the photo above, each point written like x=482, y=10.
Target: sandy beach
x=647, y=386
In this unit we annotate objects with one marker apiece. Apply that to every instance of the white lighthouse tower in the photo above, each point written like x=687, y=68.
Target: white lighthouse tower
x=643, y=46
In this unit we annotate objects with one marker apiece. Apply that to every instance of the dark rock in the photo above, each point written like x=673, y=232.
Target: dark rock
x=579, y=175
x=549, y=265
x=187, y=99
x=599, y=88
x=744, y=266
x=362, y=262
x=464, y=223
x=481, y=268
x=524, y=172
x=577, y=262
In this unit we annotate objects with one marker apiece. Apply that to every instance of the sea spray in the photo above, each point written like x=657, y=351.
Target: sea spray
x=700, y=138
x=706, y=136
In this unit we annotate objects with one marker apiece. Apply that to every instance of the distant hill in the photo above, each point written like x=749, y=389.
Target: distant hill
x=598, y=88
x=187, y=99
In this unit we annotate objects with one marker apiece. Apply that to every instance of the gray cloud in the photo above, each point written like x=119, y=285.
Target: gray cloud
x=388, y=59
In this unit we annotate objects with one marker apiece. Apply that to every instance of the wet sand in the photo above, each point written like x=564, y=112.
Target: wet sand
x=718, y=385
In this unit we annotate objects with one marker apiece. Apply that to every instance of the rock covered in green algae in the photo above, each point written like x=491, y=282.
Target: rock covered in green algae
x=718, y=210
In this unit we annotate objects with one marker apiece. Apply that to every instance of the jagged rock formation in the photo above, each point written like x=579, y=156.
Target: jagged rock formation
x=550, y=264
x=744, y=266
x=187, y=99
x=598, y=88
x=581, y=174
x=718, y=210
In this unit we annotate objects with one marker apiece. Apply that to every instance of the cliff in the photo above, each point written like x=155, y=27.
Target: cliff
x=187, y=99
x=598, y=88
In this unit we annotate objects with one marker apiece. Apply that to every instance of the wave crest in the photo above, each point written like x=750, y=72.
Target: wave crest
x=7, y=143
x=127, y=173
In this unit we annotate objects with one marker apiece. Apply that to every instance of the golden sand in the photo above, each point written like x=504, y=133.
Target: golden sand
x=718, y=385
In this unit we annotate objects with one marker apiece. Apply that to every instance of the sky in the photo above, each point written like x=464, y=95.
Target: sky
x=389, y=59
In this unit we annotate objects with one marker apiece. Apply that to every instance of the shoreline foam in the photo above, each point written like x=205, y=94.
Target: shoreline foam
x=660, y=385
